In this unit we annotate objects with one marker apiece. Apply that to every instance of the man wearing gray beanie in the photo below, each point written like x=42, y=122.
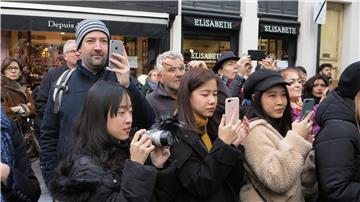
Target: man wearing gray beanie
x=92, y=38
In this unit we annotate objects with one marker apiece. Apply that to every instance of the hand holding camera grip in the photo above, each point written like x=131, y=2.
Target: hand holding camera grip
x=159, y=156
x=140, y=147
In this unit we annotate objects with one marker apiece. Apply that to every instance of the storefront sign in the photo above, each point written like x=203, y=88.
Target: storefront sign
x=211, y=23
x=279, y=29
x=53, y=24
x=204, y=56
x=60, y=25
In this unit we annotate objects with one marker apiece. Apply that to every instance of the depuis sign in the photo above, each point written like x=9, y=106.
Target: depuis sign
x=54, y=24
x=60, y=25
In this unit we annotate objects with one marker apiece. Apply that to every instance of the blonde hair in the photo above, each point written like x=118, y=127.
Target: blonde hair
x=357, y=109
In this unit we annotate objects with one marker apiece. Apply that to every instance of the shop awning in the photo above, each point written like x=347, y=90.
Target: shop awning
x=56, y=18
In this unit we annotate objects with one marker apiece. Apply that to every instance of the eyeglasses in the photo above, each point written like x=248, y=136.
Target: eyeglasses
x=71, y=51
x=12, y=68
x=180, y=68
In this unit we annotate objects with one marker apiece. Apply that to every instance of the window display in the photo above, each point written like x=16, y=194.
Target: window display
x=41, y=51
x=204, y=49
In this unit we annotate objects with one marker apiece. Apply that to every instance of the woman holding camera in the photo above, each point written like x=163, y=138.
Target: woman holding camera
x=208, y=156
x=104, y=164
x=278, y=158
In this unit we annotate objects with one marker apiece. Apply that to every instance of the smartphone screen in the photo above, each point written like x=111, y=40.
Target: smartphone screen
x=231, y=107
x=307, y=107
x=257, y=54
x=116, y=46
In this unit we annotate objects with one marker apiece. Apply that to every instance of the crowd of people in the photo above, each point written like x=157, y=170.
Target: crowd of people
x=107, y=136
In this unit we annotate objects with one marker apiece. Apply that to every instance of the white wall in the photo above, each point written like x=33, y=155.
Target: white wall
x=249, y=30
x=307, y=39
x=175, y=31
x=351, y=35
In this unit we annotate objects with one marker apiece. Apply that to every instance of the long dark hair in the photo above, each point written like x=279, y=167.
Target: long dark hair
x=192, y=79
x=309, y=85
x=91, y=137
x=256, y=110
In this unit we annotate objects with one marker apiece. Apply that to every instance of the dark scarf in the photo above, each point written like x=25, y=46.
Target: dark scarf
x=13, y=85
x=7, y=147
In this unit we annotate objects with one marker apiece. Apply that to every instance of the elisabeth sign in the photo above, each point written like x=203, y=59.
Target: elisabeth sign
x=211, y=23
x=279, y=29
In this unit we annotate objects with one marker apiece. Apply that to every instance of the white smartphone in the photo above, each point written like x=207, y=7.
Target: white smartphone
x=231, y=107
x=116, y=46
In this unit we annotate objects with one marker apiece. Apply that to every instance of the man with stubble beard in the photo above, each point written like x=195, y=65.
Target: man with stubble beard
x=171, y=68
x=92, y=39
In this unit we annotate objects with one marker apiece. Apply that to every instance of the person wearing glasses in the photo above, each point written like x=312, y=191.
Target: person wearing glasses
x=15, y=99
x=170, y=66
x=70, y=55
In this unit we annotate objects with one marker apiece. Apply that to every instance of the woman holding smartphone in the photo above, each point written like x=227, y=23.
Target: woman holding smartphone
x=292, y=76
x=104, y=164
x=208, y=157
x=277, y=150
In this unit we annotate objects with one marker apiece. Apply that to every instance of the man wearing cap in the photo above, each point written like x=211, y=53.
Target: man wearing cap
x=92, y=39
x=325, y=70
x=227, y=69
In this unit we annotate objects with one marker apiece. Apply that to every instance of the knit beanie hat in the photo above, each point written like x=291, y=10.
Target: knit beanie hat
x=349, y=83
x=86, y=26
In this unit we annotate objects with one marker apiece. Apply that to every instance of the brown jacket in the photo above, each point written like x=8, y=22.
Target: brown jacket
x=12, y=94
x=277, y=166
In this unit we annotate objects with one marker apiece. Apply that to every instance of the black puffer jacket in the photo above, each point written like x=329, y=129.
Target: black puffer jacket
x=337, y=150
x=88, y=181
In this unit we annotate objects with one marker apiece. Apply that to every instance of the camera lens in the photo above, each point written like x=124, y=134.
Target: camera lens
x=161, y=138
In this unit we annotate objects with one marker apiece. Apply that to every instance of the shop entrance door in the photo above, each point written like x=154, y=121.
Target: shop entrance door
x=331, y=34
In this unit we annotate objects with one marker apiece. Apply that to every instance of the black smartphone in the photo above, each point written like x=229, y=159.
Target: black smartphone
x=307, y=107
x=257, y=55
x=116, y=46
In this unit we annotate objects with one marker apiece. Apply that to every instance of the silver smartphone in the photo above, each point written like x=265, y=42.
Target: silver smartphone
x=116, y=46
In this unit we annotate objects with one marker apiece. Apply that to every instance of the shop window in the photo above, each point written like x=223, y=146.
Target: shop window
x=205, y=49
x=276, y=47
x=40, y=51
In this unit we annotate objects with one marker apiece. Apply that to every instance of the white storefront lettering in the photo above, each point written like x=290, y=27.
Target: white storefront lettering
x=280, y=29
x=205, y=56
x=212, y=23
x=52, y=24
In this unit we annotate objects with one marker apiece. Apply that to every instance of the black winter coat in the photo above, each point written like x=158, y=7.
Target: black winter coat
x=56, y=129
x=44, y=88
x=90, y=182
x=202, y=176
x=337, y=150
x=22, y=184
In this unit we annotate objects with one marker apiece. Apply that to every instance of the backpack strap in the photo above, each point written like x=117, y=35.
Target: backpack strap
x=61, y=88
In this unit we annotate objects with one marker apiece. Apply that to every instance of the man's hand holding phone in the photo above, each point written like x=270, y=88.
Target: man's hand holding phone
x=119, y=63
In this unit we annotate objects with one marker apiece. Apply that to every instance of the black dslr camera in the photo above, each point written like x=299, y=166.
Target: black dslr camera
x=162, y=133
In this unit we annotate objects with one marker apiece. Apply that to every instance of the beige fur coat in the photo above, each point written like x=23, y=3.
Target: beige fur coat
x=277, y=166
